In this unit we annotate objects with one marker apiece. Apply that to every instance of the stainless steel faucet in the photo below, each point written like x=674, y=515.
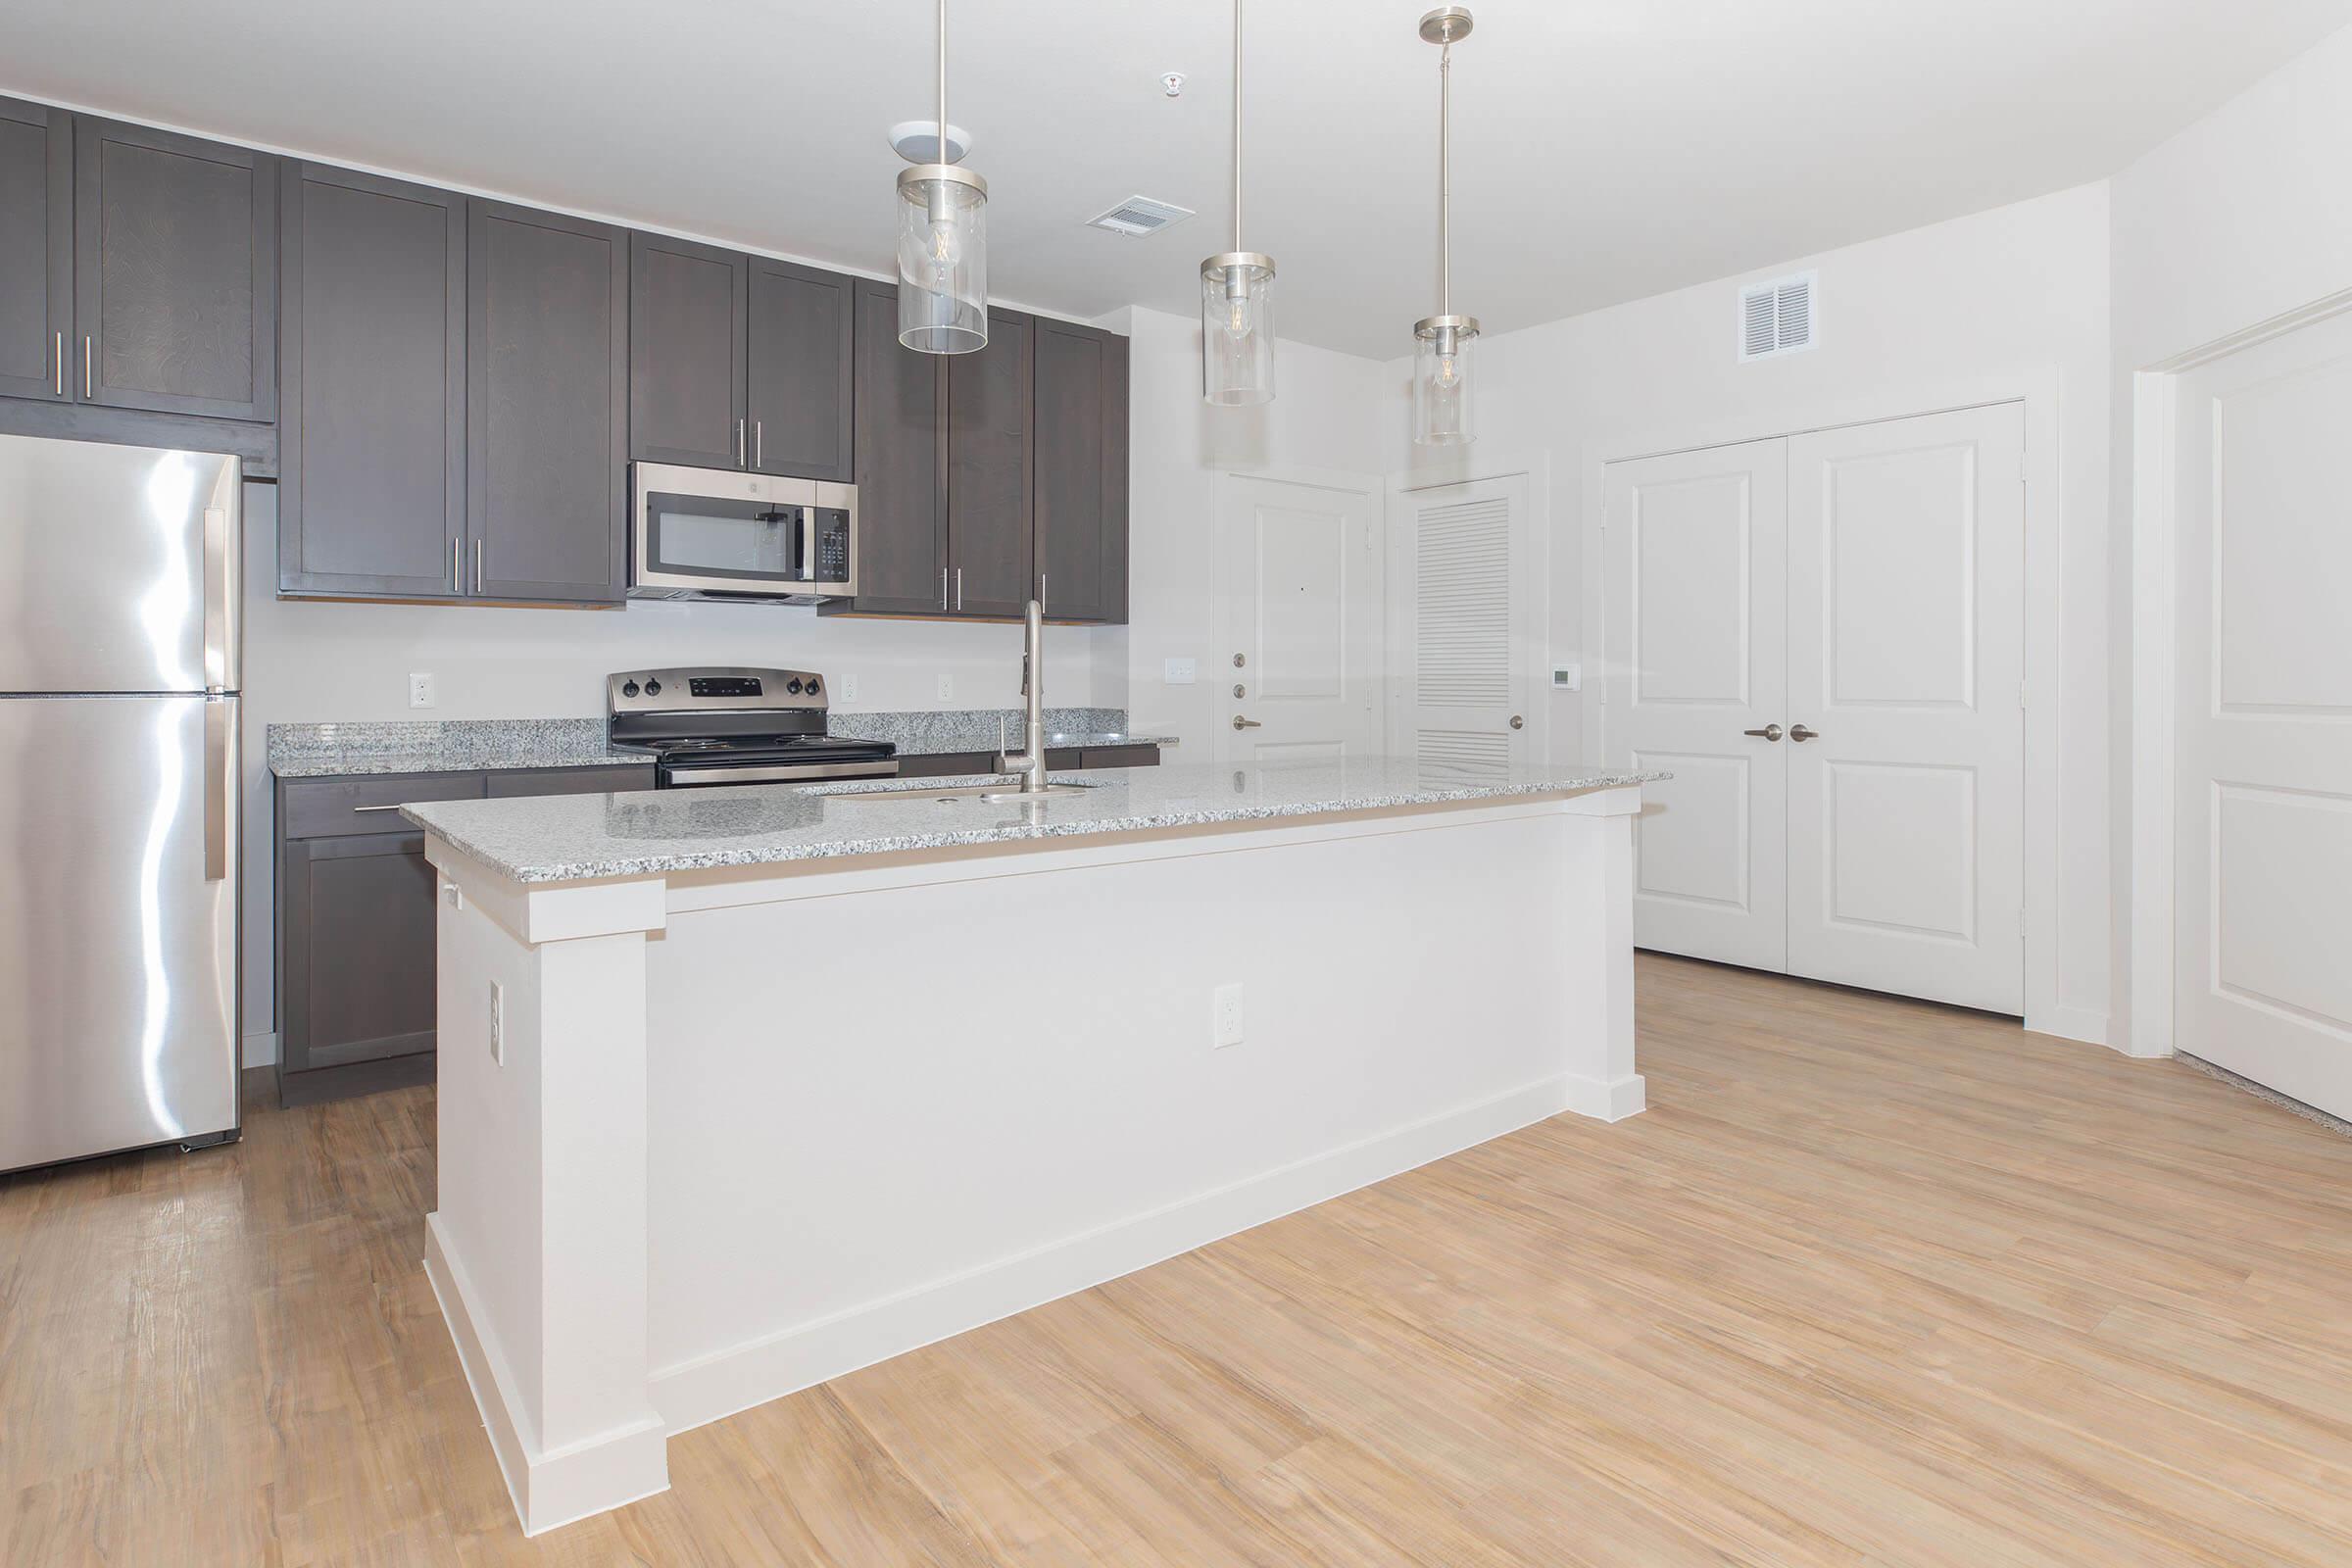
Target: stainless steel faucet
x=1030, y=763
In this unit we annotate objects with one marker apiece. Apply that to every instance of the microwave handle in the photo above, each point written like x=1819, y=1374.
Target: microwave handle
x=808, y=544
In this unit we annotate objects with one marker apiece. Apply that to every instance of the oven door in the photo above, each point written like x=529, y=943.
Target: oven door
x=710, y=531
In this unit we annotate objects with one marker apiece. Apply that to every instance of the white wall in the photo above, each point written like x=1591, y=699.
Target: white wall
x=1326, y=414
x=2243, y=217
x=1967, y=307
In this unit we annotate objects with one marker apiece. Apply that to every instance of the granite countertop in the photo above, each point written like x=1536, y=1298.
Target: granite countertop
x=491, y=745
x=571, y=836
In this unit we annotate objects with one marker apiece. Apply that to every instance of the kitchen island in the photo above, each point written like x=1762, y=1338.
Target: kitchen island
x=743, y=1089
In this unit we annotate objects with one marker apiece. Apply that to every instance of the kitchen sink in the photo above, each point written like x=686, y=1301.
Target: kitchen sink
x=962, y=791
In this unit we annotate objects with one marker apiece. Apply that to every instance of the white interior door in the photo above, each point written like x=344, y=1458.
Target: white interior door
x=1466, y=615
x=1906, y=648
x=1299, y=574
x=1692, y=555
x=2263, y=909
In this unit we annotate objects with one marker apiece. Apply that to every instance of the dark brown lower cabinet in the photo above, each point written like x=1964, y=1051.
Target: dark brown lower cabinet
x=952, y=764
x=356, y=915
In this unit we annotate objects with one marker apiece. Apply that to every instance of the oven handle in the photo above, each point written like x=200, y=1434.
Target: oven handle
x=753, y=774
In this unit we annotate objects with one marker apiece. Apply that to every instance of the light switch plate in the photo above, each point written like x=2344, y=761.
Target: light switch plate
x=421, y=690
x=1176, y=671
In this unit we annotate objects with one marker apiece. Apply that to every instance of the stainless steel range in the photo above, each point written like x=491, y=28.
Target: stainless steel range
x=711, y=725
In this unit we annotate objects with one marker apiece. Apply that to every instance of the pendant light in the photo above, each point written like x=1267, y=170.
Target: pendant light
x=942, y=244
x=1237, y=294
x=1441, y=343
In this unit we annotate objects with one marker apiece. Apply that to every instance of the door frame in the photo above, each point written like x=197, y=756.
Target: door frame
x=2155, y=648
x=2037, y=389
x=1530, y=616
x=1220, y=571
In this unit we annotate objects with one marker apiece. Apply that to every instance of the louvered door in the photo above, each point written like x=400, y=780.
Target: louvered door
x=1470, y=653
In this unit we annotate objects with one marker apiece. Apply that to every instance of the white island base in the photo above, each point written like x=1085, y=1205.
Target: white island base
x=739, y=1130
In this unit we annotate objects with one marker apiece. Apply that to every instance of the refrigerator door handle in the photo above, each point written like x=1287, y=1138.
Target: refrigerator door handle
x=217, y=603
x=219, y=783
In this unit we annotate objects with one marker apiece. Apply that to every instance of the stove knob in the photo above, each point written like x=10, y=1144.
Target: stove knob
x=629, y=690
x=653, y=688
x=812, y=686
x=793, y=685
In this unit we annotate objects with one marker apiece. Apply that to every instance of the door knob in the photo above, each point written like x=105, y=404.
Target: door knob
x=1239, y=722
x=1800, y=734
x=1770, y=732
x=1518, y=722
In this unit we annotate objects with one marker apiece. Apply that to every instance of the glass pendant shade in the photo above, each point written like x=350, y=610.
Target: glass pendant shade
x=943, y=260
x=1236, y=329
x=1444, y=351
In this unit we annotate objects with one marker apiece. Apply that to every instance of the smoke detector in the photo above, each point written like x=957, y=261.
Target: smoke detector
x=1140, y=214
x=917, y=141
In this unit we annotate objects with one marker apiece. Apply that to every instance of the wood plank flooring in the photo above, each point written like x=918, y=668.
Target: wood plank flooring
x=1873, y=1282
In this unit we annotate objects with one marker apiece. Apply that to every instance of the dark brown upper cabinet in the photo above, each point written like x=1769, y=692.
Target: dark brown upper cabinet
x=36, y=249
x=175, y=273
x=991, y=465
x=547, y=406
x=901, y=469
x=804, y=329
x=372, y=482
x=689, y=329
x=1081, y=472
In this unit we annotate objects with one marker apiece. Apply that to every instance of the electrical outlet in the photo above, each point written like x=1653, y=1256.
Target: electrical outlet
x=1176, y=671
x=1225, y=1009
x=847, y=688
x=947, y=688
x=498, y=1023
x=421, y=690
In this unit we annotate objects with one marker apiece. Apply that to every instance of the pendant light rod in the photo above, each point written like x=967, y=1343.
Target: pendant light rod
x=1444, y=176
x=1237, y=124
x=942, y=127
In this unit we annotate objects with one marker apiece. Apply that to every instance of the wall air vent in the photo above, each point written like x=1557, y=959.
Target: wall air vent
x=1775, y=317
x=1140, y=214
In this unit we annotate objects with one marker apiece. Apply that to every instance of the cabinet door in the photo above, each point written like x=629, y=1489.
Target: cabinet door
x=36, y=249
x=371, y=439
x=990, y=467
x=1081, y=472
x=175, y=273
x=901, y=446
x=546, y=405
x=356, y=983
x=688, y=308
x=804, y=326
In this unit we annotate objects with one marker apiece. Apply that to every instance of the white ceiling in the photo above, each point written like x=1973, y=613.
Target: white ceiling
x=1604, y=149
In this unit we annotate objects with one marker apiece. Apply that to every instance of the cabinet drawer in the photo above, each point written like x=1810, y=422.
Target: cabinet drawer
x=331, y=807
x=569, y=780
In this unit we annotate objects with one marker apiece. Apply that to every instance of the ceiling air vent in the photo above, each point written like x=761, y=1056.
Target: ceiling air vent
x=1775, y=317
x=1140, y=214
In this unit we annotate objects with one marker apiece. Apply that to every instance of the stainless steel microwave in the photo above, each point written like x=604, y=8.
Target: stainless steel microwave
x=719, y=534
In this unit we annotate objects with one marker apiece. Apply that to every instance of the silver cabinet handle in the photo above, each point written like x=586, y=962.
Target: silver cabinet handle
x=393, y=807
x=1800, y=734
x=1042, y=580
x=943, y=587
x=739, y=442
x=477, y=564
x=85, y=365
x=1770, y=732
x=61, y=364
x=456, y=572
x=1239, y=722
x=959, y=587
x=759, y=443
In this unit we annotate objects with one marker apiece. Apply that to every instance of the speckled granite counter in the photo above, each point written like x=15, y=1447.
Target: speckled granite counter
x=486, y=745
x=570, y=838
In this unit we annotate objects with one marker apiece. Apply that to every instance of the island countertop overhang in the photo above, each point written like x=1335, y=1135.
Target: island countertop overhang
x=650, y=833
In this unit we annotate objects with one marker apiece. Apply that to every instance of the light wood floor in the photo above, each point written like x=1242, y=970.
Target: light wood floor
x=1873, y=1282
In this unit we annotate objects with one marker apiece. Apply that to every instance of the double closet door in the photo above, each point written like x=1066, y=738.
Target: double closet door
x=1820, y=636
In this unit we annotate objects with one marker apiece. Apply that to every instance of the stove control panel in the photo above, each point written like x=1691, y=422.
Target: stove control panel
x=714, y=690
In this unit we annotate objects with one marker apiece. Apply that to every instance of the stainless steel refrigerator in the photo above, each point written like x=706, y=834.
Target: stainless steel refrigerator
x=118, y=821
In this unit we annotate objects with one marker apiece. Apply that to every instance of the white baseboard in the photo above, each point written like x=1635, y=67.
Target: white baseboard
x=548, y=1489
x=2074, y=1023
x=261, y=1050
x=694, y=1393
